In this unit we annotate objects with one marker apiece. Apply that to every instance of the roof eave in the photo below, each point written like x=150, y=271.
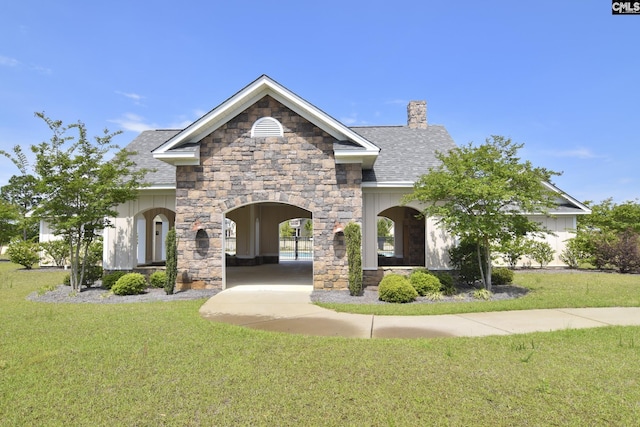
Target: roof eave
x=247, y=97
x=191, y=158
x=366, y=158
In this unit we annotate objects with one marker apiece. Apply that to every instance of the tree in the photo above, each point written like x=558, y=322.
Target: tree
x=482, y=195
x=384, y=227
x=286, y=230
x=605, y=226
x=21, y=192
x=80, y=189
x=9, y=217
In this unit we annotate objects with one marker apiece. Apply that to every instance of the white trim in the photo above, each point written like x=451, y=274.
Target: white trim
x=190, y=158
x=584, y=208
x=249, y=96
x=388, y=184
x=154, y=187
x=366, y=157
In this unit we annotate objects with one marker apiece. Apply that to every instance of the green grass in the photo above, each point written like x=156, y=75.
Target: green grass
x=160, y=364
x=546, y=290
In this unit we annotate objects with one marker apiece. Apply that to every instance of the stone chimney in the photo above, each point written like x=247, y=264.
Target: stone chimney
x=417, y=114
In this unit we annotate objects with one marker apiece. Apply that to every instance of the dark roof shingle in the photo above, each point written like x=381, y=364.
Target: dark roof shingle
x=405, y=153
x=163, y=173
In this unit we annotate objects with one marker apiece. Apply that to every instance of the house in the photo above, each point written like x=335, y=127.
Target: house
x=266, y=155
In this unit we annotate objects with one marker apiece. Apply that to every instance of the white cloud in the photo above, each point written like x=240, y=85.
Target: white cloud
x=353, y=120
x=578, y=153
x=41, y=70
x=180, y=125
x=136, y=98
x=133, y=122
x=8, y=62
x=12, y=62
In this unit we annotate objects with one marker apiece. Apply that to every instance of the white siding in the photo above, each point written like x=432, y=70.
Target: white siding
x=120, y=241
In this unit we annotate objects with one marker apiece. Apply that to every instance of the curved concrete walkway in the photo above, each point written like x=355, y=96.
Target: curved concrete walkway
x=288, y=308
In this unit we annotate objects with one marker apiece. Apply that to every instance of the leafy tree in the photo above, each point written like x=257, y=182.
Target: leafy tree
x=21, y=191
x=308, y=227
x=79, y=188
x=286, y=230
x=621, y=252
x=481, y=194
x=606, y=225
x=384, y=227
x=9, y=217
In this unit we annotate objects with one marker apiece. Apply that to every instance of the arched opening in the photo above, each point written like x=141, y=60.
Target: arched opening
x=404, y=242
x=256, y=252
x=151, y=228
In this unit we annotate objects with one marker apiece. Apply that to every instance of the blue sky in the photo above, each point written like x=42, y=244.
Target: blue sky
x=560, y=77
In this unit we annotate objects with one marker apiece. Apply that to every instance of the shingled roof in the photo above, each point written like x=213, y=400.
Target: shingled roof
x=164, y=174
x=405, y=153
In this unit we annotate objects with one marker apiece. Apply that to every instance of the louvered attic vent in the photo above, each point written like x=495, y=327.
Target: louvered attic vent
x=266, y=126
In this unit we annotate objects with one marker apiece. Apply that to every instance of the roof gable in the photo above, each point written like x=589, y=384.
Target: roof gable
x=172, y=152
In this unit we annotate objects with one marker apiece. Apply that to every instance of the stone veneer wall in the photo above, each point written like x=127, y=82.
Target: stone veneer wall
x=236, y=170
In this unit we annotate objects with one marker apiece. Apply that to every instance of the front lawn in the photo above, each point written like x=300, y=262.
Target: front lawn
x=546, y=290
x=161, y=364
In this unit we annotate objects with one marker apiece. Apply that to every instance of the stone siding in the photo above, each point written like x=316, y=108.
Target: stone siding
x=238, y=170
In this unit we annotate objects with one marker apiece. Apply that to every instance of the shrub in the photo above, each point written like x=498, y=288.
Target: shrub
x=130, y=284
x=482, y=294
x=501, y=276
x=424, y=283
x=171, y=245
x=621, y=252
x=353, y=239
x=92, y=274
x=24, y=253
x=110, y=279
x=158, y=279
x=66, y=280
x=58, y=250
x=514, y=249
x=464, y=258
x=541, y=252
x=446, y=282
x=396, y=288
x=574, y=254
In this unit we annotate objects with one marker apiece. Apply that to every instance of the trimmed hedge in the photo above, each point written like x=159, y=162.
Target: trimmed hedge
x=130, y=284
x=424, y=283
x=501, y=276
x=397, y=289
x=158, y=279
x=110, y=279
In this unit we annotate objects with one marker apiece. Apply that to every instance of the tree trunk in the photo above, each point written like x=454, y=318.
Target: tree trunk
x=487, y=255
x=480, y=264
